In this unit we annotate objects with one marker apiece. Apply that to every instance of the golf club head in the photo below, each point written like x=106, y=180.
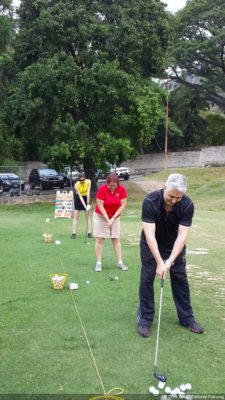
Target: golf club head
x=111, y=278
x=160, y=377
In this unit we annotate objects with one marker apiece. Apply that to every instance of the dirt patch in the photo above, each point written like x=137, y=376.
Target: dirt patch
x=149, y=186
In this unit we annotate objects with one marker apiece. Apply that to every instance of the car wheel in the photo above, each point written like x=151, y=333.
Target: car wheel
x=126, y=178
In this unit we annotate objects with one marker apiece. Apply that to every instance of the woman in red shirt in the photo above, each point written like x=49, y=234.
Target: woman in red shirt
x=111, y=201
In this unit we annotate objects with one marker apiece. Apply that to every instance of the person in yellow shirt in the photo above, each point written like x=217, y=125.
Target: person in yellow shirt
x=82, y=189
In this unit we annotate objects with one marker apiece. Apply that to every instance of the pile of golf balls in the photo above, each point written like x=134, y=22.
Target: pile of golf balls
x=176, y=392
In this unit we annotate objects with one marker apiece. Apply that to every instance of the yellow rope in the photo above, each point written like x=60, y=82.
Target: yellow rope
x=113, y=392
x=88, y=343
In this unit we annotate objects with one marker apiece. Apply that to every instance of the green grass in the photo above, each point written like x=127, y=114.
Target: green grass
x=42, y=345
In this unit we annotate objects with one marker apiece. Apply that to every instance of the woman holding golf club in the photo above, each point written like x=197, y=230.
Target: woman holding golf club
x=111, y=200
x=82, y=190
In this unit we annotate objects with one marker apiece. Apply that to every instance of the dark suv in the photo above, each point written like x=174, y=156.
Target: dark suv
x=10, y=181
x=45, y=179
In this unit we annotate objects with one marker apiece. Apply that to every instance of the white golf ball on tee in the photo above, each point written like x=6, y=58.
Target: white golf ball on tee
x=156, y=392
x=87, y=282
x=188, y=386
x=116, y=278
x=167, y=390
x=151, y=389
x=161, y=385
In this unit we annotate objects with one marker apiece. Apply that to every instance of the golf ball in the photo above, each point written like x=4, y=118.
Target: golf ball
x=167, y=390
x=183, y=387
x=188, y=386
x=116, y=278
x=87, y=282
x=47, y=220
x=156, y=392
x=151, y=389
x=57, y=242
x=176, y=390
x=164, y=397
x=161, y=385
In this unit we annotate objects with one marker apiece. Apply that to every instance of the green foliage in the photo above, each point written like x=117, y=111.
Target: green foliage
x=84, y=68
x=185, y=107
x=198, y=48
x=56, y=101
x=135, y=33
x=6, y=24
x=215, y=131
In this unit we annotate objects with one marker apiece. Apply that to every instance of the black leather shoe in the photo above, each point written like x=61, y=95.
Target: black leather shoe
x=73, y=236
x=194, y=327
x=89, y=236
x=144, y=330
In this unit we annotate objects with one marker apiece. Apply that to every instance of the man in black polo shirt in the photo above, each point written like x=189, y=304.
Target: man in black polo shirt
x=167, y=218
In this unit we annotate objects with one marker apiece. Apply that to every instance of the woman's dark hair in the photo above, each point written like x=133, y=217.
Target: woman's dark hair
x=81, y=175
x=112, y=177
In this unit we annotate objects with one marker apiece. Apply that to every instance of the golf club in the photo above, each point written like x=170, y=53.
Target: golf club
x=110, y=254
x=157, y=375
x=86, y=231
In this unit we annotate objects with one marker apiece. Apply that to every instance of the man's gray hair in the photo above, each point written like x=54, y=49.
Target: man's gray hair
x=178, y=182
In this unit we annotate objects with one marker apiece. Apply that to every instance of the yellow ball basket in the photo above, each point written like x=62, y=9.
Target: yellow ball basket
x=58, y=280
x=47, y=238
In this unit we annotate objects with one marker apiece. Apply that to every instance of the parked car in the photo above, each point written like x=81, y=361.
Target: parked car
x=10, y=181
x=122, y=172
x=45, y=179
x=69, y=176
x=100, y=174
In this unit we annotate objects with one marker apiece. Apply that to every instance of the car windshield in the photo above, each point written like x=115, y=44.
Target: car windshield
x=9, y=177
x=47, y=172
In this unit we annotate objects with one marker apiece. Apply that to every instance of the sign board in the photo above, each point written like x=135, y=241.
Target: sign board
x=63, y=204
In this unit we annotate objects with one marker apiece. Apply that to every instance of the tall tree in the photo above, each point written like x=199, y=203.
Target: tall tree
x=133, y=32
x=86, y=115
x=198, y=49
x=6, y=24
x=83, y=92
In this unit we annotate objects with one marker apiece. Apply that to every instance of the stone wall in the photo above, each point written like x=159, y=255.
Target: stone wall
x=212, y=155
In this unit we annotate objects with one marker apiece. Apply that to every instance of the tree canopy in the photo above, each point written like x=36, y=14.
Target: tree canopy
x=82, y=91
x=198, y=49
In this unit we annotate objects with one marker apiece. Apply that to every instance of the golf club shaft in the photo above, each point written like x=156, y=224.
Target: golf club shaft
x=110, y=252
x=87, y=223
x=159, y=320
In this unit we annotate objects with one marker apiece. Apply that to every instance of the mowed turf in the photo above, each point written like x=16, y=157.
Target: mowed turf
x=42, y=345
